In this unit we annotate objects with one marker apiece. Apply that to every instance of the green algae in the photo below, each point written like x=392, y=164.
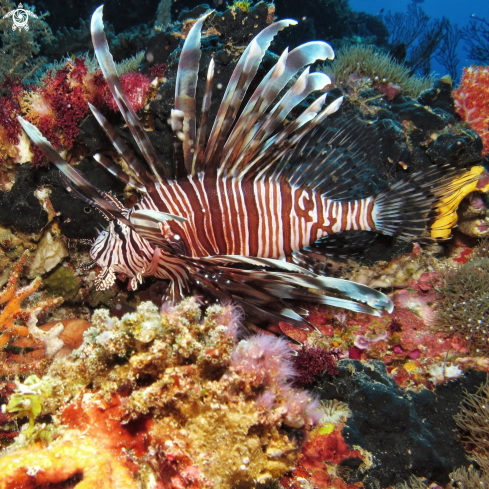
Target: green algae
x=62, y=282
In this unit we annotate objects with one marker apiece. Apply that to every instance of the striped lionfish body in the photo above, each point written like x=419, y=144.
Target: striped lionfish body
x=259, y=189
x=257, y=217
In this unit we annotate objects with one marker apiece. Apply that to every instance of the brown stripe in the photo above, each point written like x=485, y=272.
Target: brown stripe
x=199, y=234
x=320, y=220
x=253, y=216
x=210, y=185
x=286, y=192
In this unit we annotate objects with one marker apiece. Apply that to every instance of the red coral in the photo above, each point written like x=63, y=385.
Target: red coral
x=472, y=101
x=316, y=453
x=311, y=362
x=136, y=85
x=158, y=70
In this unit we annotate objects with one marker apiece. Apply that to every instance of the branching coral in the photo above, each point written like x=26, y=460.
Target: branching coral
x=16, y=320
x=472, y=101
x=463, y=307
x=209, y=410
x=380, y=68
x=476, y=34
x=415, y=37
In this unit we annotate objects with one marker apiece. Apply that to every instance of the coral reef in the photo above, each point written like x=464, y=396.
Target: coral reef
x=198, y=407
x=472, y=101
x=26, y=348
x=71, y=459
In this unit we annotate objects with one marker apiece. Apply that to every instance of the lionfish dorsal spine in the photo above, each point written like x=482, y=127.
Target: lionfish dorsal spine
x=115, y=170
x=246, y=126
x=306, y=84
x=288, y=65
x=197, y=162
x=186, y=88
x=237, y=87
x=109, y=71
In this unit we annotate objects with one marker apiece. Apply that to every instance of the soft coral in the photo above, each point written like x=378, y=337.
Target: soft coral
x=9, y=126
x=472, y=101
x=58, y=106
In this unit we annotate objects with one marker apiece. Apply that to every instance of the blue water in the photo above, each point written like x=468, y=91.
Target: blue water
x=456, y=11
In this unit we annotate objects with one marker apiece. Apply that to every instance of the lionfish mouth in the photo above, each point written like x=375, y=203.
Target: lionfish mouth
x=260, y=187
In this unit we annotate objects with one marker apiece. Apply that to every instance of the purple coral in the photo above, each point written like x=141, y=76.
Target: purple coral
x=311, y=362
x=266, y=357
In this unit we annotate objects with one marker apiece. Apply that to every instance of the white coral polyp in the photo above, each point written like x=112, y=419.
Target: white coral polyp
x=443, y=372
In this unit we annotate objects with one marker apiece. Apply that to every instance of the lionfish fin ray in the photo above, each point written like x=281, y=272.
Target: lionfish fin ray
x=198, y=159
x=186, y=86
x=306, y=84
x=121, y=147
x=117, y=171
x=109, y=71
x=276, y=79
x=71, y=173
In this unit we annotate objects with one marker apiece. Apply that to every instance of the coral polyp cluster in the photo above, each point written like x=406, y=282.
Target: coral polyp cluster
x=473, y=420
x=463, y=306
x=194, y=406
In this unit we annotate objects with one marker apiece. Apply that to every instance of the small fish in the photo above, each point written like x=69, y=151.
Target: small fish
x=256, y=192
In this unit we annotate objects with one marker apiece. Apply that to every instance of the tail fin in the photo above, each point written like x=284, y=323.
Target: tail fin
x=424, y=206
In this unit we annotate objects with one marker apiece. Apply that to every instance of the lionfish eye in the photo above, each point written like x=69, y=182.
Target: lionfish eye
x=118, y=229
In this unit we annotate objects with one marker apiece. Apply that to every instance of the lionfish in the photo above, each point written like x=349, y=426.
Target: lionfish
x=259, y=190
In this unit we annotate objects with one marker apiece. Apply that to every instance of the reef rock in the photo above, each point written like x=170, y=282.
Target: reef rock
x=404, y=431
